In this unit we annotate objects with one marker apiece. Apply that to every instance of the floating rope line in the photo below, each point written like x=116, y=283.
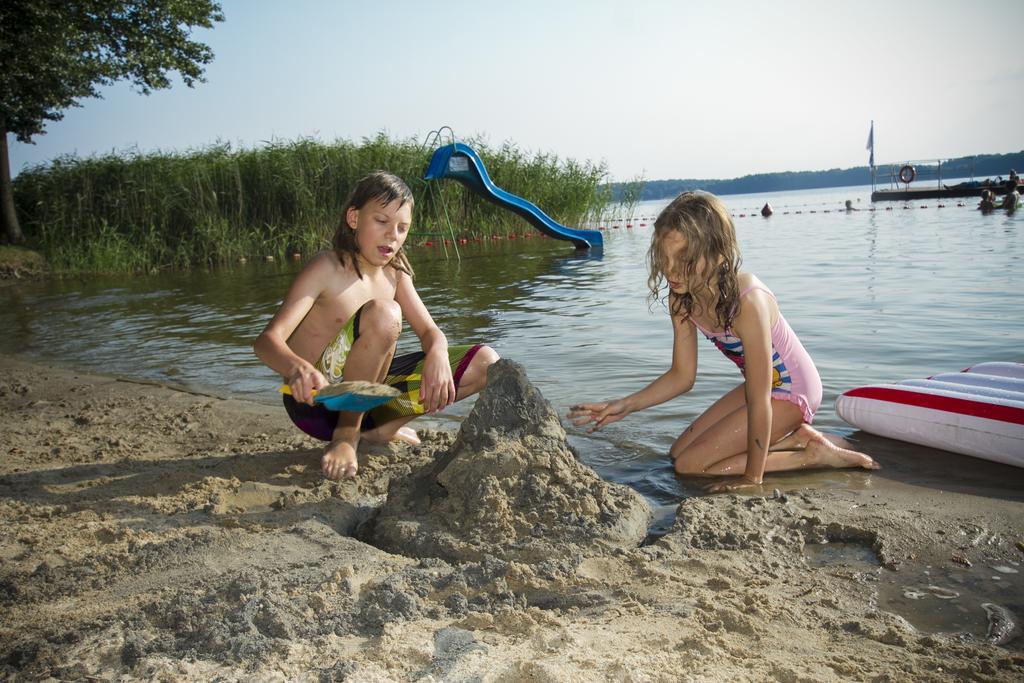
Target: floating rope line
x=784, y=210
x=634, y=222
x=645, y=221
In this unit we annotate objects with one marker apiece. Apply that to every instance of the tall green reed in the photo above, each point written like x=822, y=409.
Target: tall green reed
x=136, y=211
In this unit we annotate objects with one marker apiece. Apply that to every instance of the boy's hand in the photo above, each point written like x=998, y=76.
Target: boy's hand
x=600, y=414
x=304, y=381
x=437, y=387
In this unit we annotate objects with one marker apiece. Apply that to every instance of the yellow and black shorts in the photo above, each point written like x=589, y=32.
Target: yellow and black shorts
x=404, y=374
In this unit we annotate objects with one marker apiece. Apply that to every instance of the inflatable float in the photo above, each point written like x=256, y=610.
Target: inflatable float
x=978, y=412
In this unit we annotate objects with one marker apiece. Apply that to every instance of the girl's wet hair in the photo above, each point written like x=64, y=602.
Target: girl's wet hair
x=704, y=221
x=381, y=186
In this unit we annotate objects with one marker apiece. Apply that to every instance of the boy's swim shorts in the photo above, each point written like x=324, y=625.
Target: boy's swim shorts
x=404, y=374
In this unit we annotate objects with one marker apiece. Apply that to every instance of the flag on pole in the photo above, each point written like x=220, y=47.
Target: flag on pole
x=871, y=145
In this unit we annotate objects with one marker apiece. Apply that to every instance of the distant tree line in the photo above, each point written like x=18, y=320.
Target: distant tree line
x=980, y=166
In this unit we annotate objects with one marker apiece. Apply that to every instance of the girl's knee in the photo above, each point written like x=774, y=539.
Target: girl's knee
x=684, y=441
x=679, y=463
x=685, y=463
x=687, y=468
x=381, y=317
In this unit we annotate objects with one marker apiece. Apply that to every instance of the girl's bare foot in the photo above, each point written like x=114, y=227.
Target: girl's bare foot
x=838, y=441
x=791, y=442
x=339, y=461
x=827, y=454
x=805, y=433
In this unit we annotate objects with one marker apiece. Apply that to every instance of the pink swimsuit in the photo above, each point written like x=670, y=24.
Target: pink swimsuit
x=794, y=377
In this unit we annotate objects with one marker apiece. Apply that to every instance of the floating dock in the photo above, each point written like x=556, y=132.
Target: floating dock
x=937, y=192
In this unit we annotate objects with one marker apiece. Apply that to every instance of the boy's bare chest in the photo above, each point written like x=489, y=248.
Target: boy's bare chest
x=336, y=307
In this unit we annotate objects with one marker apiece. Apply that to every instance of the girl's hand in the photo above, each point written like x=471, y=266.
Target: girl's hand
x=600, y=414
x=732, y=484
x=304, y=381
x=437, y=387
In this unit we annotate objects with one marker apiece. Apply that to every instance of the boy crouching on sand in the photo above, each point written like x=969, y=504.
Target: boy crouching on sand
x=340, y=321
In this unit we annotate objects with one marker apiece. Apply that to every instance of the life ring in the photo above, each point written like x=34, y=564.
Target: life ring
x=907, y=174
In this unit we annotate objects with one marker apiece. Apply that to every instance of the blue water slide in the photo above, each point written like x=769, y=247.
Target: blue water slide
x=459, y=162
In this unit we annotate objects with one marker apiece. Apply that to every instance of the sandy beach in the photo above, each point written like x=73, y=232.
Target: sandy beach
x=153, y=533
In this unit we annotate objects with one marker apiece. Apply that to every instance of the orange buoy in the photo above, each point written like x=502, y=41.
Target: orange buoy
x=907, y=174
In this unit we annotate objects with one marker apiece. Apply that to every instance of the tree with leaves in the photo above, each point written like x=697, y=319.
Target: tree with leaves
x=54, y=53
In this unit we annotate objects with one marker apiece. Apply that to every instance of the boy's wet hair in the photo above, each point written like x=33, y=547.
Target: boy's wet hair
x=704, y=221
x=381, y=186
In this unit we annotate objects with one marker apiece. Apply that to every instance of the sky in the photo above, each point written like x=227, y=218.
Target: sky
x=651, y=88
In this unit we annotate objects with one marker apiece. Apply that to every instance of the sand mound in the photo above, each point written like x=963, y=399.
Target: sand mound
x=509, y=487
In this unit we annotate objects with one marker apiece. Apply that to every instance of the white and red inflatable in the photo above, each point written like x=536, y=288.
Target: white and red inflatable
x=979, y=411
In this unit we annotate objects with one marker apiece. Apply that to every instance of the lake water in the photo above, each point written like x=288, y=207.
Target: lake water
x=906, y=290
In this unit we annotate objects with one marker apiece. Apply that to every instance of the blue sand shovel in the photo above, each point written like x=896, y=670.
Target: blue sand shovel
x=356, y=396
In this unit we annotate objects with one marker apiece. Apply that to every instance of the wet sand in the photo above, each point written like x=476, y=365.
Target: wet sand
x=151, y=533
